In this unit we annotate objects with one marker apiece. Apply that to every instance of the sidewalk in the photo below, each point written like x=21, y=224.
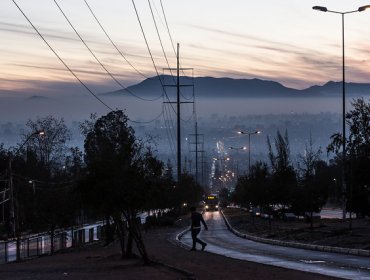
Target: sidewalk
x=173, y=262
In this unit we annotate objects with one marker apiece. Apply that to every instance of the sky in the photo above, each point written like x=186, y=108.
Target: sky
x=280, y=40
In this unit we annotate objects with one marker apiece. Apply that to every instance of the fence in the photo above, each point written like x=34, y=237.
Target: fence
x=37, y=245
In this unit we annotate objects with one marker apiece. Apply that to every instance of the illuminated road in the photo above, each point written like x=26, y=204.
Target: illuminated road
x=221, y=241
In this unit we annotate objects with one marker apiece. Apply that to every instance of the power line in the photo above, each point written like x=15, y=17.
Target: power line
x=168, y=29
x=145, y=122
x=158, y=13
x=113, y=44
x=169, y=33
x=168, y=124
x=56, y=54
x=69, y=69
x=160, y=40
x=98, y=60
x=150, y=53
x=163, y=50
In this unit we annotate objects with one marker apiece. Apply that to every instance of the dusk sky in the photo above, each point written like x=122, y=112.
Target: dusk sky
x=284, y=41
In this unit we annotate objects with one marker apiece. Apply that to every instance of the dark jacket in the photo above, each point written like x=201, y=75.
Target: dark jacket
x=196, y=218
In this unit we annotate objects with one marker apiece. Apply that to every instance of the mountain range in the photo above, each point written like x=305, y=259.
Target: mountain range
x=228, y=87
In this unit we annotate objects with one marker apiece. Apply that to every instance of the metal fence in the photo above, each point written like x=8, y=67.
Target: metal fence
x=37, y=245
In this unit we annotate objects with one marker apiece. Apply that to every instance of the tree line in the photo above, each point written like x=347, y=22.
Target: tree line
x=48, y=185
x=115, y=178
x=278, y=185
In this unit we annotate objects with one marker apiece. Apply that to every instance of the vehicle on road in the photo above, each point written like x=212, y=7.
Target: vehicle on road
x=211, y=202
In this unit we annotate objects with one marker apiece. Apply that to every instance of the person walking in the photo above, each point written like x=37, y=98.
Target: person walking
x=196, y=219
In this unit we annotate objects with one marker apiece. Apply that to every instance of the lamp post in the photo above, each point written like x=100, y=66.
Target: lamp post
x=344, y=187
x=249, y=146
x=13, y=219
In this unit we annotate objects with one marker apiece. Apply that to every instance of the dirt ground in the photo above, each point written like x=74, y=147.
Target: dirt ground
x=171, y=262
x=328, y=232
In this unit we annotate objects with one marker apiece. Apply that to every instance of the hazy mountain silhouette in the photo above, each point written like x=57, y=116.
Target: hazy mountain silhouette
x=333, y=88
x=228, y=87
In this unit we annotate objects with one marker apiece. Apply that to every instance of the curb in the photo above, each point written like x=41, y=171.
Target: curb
x=321, y=248
x=179, y=236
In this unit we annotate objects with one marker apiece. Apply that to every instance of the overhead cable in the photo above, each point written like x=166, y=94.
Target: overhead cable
x=56, y=54
x=160, y=40
x=169, y=33
x=151, y=56
x=168, y=125
x=98, y=60
x=168, y=29
x=152, y=120
x=113, y=44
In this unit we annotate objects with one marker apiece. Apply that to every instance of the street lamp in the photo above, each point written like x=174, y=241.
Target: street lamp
x=13, y=220
x=249, y=146
x=360, y=9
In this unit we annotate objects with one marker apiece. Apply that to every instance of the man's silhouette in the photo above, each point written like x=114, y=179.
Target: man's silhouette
x=196, y=218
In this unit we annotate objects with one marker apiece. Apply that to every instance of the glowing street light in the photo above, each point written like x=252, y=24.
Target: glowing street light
x=249, y=146
x=360, y=9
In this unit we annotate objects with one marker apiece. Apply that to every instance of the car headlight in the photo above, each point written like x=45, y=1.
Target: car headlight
x=206, y=206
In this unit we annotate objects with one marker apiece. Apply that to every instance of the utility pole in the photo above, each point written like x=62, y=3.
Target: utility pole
x=178, y=108
x=178, y=116
x=204, y=169
x=3, y=201
x=197, y=151
x=11, y=196
x=13, y=218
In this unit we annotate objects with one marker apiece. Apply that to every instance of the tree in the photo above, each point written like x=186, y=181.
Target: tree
x=74, y=163
x=357, y=156
x=358, y=120
x=284, y=178
x=240, y=194
x=41, y=201
x=311, y=193
x=51, y=147
x=55, y=207
x=255, y=189
x=187, y=191
x=309, y=160
x=122, y=173
x=358, y=147
x=260, y=192
x=224, y=197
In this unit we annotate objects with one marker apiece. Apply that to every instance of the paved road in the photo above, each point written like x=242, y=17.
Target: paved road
x=221, y=241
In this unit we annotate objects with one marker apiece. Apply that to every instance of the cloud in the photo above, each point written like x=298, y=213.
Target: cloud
x=28, y=30
x=249, y=37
